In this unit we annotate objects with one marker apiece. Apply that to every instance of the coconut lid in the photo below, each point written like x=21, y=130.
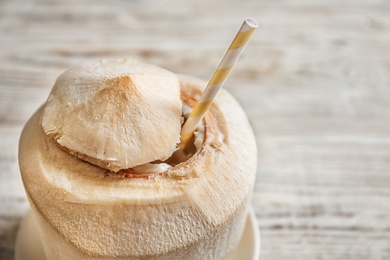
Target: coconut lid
x=116, y=114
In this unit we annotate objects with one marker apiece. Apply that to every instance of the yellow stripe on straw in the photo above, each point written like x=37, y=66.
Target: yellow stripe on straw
x=220, y=75
x=217, y=79
x=241, y=39
x=200, y=109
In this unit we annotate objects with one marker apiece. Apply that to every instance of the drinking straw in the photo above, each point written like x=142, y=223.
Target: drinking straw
x=217, y=79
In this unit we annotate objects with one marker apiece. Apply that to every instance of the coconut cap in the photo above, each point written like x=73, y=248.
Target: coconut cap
x=116, y=114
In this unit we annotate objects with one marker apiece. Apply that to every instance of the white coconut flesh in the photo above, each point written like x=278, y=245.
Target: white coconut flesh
x=116, y=114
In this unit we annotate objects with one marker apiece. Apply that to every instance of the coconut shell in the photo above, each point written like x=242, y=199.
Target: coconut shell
x=115, y=114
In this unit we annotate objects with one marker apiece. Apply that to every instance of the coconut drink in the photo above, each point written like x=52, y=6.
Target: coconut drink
x=108, y=176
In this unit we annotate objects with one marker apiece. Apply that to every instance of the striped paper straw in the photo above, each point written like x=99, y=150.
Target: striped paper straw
x=215, y=83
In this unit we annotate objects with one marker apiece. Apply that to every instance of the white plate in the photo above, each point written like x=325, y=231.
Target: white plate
x=29, y=244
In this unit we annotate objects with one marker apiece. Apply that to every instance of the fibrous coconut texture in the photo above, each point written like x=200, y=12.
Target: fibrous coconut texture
x=115, y=114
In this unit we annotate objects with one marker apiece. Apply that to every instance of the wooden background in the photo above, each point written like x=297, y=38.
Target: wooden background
x=314, y=81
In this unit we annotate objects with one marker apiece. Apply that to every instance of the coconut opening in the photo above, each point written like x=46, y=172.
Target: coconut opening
x=179, y=156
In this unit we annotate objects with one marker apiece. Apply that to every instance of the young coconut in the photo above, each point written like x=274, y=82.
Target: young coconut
x=195, y=210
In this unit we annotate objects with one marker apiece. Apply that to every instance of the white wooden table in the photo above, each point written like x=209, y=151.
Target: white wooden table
x=314, y=81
